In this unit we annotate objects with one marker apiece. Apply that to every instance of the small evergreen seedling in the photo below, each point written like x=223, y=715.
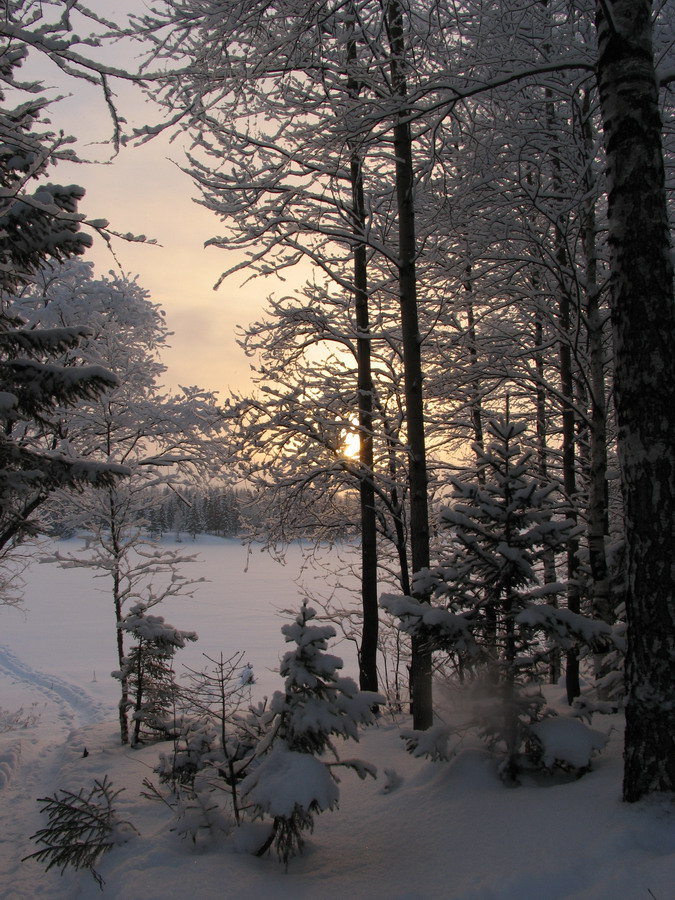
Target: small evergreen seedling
x=213, y=736
x=291, y=784
x=81, y=828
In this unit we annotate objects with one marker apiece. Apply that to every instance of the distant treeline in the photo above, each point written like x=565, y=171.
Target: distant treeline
x=233, y=512
x=178, y=510
x=188, y=510
x=194, y=511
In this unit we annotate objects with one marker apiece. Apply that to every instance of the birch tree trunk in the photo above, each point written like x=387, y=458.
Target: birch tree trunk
x=643, y=320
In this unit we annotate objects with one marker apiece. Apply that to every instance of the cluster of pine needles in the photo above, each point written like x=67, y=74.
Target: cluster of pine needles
x=82, y=827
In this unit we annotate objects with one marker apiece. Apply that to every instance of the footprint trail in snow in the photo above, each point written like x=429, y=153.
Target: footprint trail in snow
x=30, y=756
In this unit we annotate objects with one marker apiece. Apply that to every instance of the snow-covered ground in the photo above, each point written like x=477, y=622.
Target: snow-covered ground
x=422, y=830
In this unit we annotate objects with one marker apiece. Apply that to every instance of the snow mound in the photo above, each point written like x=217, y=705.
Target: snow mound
x=568, y=742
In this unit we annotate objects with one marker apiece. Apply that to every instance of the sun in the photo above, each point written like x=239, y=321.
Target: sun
x=350, y=445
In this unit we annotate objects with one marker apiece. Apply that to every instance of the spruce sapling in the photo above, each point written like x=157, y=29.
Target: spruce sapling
x=292, y=781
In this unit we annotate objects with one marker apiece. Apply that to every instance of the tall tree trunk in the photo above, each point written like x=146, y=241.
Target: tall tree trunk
x=598, y=519
x=412, y=353
x=395, y=502
x=368, y=649
x=550, y=576
x=124, y=703
x=474, y=389
x=572, y=683
x=643, y=319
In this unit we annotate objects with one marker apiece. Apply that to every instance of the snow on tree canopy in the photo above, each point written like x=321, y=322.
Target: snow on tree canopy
x=443, y=625
x=44, y=340
x=567, y=741
x=38, y=385
x=568, y=627
x=154, y=628
x=37, y=230
x=485, y=597
x=317, y=702
x=285, y=780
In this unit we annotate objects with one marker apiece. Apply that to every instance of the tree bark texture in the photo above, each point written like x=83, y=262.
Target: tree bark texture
x=123, y=705
x=368, y=650
x=643, y=320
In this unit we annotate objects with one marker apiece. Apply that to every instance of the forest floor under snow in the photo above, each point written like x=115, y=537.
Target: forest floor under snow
x=421, y=830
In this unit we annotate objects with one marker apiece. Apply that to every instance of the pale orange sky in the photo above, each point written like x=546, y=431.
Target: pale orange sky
x=142, y=191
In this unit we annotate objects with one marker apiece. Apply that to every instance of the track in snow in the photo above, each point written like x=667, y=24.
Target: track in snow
x=30, y=761
x=76, y=707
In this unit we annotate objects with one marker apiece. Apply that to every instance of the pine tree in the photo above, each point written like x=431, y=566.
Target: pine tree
x=37, y=228
x=503, y=523
x=292, y=783
x=148, y=672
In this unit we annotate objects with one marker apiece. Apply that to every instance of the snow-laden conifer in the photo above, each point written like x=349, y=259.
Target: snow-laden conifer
x=293, y=780
x=148, y=671
x=493, y=605
x=39, y=224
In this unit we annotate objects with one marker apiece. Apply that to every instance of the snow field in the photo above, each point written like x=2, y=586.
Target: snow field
x=448, y=831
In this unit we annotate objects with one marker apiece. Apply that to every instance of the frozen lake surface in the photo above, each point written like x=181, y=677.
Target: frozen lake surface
x=68, y=622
